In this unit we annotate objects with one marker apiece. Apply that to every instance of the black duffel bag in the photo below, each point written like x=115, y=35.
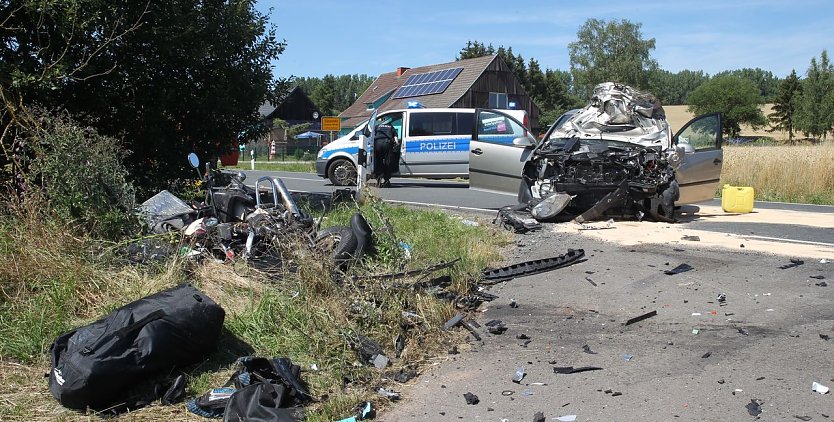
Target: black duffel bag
x=97, y=365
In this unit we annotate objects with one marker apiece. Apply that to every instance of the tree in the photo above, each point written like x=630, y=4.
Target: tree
x=784, y=107
x=815, y=114
x=475, y=49
x=737, y=99
x=333, y=94
x=674, y=88
x=164, y=76
x=610, y=51
x=767, y=83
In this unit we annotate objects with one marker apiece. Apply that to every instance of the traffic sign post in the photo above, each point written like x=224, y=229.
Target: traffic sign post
x=331, y=124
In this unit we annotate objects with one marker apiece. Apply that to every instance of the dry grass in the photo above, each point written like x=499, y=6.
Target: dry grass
x=305, y=315
x=677, y=115
x=800, y=173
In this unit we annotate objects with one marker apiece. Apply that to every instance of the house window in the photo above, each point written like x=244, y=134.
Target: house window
x=369, y=106
x=497, y=100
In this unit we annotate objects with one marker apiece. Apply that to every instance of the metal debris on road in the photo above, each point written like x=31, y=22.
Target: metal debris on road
x=535, y=266
x=572, y=370
x=647, y=315
x=587, y=349
x=682, y=268
x=754, y=408
x=819, y=388
x=519, y=375
x=691, y=238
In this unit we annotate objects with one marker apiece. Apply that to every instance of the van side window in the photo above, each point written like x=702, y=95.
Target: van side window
x=465, y=122
x=431, y=124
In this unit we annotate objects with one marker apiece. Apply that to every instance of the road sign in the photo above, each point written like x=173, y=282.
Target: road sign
x=331, y=123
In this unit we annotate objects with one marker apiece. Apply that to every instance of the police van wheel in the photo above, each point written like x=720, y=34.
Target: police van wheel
x=342, y=173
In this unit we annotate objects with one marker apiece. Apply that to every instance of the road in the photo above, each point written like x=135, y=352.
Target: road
x=698, y=359
x=770, y=225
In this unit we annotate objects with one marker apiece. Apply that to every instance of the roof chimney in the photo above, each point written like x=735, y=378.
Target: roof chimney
x=401, y=70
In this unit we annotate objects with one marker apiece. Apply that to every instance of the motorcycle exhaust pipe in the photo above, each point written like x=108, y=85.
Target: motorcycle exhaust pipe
x=278, y=187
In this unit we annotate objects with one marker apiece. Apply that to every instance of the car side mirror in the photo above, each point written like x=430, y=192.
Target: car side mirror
x=194, y=160
x=522, y=141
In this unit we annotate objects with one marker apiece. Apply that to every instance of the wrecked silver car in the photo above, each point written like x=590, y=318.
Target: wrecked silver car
x=615, y=157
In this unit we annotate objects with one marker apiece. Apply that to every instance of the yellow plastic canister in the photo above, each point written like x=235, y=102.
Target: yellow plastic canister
x=737, y=199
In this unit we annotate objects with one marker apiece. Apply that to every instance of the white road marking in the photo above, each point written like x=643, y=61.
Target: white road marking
x=779, y=239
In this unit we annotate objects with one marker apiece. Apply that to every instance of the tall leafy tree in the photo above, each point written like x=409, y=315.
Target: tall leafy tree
x=815, y=115
x=333, y=94
x=784, y=106
x=737, y=99
x=674, y=88
x=610, y=51
x=767, y=83
x=164, y=76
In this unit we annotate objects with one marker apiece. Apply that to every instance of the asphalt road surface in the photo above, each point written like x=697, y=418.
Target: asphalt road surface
x=456, y=195
x=751, y=355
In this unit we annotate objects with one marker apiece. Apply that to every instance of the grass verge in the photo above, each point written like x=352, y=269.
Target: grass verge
x=54, y=281
x=293, y=166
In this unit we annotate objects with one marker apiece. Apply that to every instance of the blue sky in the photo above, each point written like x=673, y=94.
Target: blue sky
x=373, y=37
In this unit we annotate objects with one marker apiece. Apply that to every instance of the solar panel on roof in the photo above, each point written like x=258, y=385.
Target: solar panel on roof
x=428, y=83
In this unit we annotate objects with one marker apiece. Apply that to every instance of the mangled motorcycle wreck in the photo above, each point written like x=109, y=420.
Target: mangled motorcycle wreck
x=617, y=158
x=237, y=221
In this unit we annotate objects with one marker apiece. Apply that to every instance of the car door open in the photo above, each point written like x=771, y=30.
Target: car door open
x=500, y=146
x=699, y=145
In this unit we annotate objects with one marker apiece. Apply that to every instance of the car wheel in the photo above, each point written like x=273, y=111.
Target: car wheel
x=342, y=172
x=340, y=241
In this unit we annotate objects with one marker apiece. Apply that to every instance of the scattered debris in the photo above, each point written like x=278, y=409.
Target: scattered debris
x=512, y=218
x=802, y=418
x=523, y=337
x=695, y=331
x=754, y=408
x=682, y=268
x=390, y=395
x=742, y=331
x=628, y=358
x=722, y=299
x=647, y=315
x=821, y=284
x=706, y=355
x=380, y=361
x=819, y=388
x=794, y=263
x=403, y=376
x=539, y=417
x=824, y=261
x=471, y=398
x=535, y=266
x=691, y=238
x=597, y=226
x=587, y=349
x=471, y=223
x=572, y=370
x=507, y=393
x=817, y=277
x=519, y=375
x=566, y=418
x=513, y=304
x=364, y=411
x=495, y=326
x=591, y=281
x=825, y=337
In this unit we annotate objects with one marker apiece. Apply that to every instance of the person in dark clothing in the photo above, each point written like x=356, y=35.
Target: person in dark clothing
x=385, y=148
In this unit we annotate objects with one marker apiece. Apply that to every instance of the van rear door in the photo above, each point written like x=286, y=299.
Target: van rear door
x=499, y=149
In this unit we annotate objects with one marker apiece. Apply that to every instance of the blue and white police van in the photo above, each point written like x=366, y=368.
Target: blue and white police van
x=434, y=144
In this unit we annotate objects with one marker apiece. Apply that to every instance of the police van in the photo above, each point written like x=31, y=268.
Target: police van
x=434, y=143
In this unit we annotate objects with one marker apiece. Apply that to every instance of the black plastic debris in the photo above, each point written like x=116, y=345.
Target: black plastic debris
x=691, y=238
x=539, y=417
x=471, y=398
x=821, y=284
x=794, y=263
x=535, y=266
x=591, y=281
x=572, y=370
x=399, y=345
x=587, y=349
x=825, y=337
x=817, y=277
x=471, y=327
x=497, y=329
x=404, y=375
x=802, y=418
x=754, y=408
x=722, y=299
x=513, y=304
x=679, y=269
x=706, y=355
x=523, y=337
x=742, y=331
x=647, y=315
